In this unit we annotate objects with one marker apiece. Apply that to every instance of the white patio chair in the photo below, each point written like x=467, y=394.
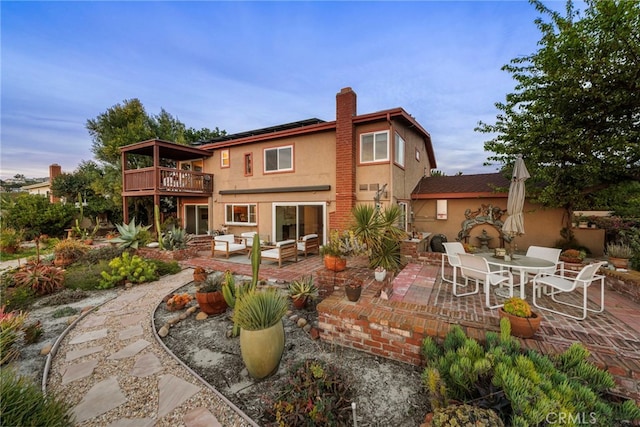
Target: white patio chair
x=549, y=254
x=477, y=269
x=561, y=283
x=452, y=249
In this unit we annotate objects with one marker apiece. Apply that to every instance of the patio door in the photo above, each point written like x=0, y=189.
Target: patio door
x=196, y=219
x=294, y=220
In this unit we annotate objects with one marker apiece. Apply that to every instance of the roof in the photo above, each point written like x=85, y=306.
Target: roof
x=316, y=125
x=43, y=184
x=262, y=131
x=461, y=186
x=166, y=149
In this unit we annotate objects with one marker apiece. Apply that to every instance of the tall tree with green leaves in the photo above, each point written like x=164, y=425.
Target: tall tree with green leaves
x=575, y=112
x=128, y=123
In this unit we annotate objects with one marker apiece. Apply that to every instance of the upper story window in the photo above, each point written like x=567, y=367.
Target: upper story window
x=374, y=147
x=248, y=164
x=241, y=214
x=224, y=158
x=399, y=150
x=278, y=159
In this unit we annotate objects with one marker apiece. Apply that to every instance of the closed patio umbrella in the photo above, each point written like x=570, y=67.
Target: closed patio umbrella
x=514, y=224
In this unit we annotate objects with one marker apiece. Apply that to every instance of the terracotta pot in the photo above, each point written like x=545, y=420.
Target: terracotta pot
x=523, y=327
x=353, y=292
x=334, y=263
x=300, y=302
x=262, y=350
x=619, y=262
x=211, y=302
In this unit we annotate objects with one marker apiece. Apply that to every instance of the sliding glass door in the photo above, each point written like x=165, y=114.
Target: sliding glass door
x=196, y=219
x=294, y=220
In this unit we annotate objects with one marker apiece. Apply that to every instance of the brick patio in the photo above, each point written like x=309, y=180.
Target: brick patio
x=420, y=305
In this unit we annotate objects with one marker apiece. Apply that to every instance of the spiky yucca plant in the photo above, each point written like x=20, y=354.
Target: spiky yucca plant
x=260, y=309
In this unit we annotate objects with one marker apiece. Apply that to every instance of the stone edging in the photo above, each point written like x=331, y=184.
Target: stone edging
x=192, y=372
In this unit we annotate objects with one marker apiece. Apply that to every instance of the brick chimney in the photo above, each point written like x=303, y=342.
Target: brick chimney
x=345, y=159
x=54, y=171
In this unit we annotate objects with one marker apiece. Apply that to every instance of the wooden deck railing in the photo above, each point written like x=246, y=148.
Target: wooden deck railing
x=168, y=180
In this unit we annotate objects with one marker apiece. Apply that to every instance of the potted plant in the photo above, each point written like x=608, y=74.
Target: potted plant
x=259, y=316
x=619, y=254
x=380, y=273
x=524, y=321
x=380, y=236
x=341, y=244
x=302, y=291
x=178, y=301
x=353, y=289
x=209, y=295
x=67, y=251
x=199, y=274
x=573, y=256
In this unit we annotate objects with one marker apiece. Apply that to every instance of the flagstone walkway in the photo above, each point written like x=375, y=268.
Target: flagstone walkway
x=115, y=373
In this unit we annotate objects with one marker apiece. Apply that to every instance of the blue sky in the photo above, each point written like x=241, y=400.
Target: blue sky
x=246, y=65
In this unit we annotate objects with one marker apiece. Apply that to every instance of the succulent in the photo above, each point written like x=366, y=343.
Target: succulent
x=517, y=307
x=212, y=283
x=619, y=250
x=303, y=288
x=131, y=235
x=70, y=248
x=175, y=238
x=465, y=415
x=42, y=279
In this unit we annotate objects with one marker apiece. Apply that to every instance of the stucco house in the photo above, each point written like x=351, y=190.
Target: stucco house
x=461, y=207
x=289, y=180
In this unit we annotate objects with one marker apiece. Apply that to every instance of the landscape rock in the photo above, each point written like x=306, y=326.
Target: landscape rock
x=201, y=316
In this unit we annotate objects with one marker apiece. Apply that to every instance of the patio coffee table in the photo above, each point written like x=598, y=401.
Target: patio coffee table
x=523, y=264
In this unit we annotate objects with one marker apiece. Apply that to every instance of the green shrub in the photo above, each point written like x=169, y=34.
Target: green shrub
x=10, y=239
x=314, y=394
x=36, y=215
x=128, y=268
x=16, y=298
x=22, y=403
x=85, y=276
x=523, y=388
x=10, y=332
x=64, y=312
x=104, y=253
x=164, y=268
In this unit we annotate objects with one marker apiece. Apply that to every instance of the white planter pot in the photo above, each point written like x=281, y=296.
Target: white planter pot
x=380, y=275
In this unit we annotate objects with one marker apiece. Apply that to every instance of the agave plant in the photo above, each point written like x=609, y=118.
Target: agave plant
x=131, y=235
x=175, y=238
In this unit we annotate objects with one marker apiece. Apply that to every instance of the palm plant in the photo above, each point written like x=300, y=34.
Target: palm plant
x=379, y=232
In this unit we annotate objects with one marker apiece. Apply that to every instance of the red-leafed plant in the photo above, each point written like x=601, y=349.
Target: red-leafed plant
x=43, y=279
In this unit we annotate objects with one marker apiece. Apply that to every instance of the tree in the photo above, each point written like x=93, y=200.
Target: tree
x=575, y=112
x=35, y=215
x=128, y=123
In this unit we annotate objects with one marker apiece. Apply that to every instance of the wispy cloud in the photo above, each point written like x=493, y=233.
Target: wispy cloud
x=246, y=65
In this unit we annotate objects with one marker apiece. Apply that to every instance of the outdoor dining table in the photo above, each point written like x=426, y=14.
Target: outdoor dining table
x=523, y=264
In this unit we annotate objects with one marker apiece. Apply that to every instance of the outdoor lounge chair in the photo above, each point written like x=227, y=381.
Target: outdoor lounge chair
x=563, y=283
x=309, y=244
x=285, y=249
x=477, y=269
x=228, y=244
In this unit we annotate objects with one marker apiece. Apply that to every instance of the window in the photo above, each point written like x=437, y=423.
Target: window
x=240, y=214
x=278, y=159
x=224, y=158
x=399, y=150
x=374, y=147
x=248, y=164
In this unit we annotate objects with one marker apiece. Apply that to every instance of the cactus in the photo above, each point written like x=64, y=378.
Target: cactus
x=156, y=217
x=233, y=292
